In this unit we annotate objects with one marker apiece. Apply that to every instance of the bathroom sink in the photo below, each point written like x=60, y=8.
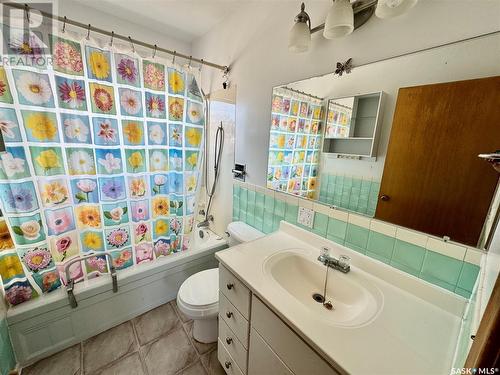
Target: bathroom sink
x=356, y=300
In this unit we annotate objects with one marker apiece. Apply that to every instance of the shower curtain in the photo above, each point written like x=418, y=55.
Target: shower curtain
x=103, y=153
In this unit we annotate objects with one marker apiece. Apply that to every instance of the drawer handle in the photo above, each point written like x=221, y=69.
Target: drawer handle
x=229, y=340
x=229, y=314
x=227, y=364
x=230, y=286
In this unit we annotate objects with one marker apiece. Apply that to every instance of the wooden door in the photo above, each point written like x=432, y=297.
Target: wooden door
x=434, y=181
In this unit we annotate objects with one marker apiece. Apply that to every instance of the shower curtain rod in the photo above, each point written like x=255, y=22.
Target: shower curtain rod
x=301, y=93
x=112, y=34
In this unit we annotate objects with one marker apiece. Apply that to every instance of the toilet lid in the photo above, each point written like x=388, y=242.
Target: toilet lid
x=201, y=289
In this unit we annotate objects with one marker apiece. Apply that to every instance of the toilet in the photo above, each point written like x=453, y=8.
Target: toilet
x=198, y=296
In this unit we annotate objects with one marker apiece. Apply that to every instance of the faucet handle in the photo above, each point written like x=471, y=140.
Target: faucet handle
x=325, y=251
x=344, y=261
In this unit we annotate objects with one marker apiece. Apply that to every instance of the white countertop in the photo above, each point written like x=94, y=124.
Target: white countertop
x=414, y=333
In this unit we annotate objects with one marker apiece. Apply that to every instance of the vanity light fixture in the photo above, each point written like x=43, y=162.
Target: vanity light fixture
x=393, y=8
x=299, y=37
x=343, y=18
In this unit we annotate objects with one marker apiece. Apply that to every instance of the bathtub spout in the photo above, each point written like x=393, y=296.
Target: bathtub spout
x=205, y=223
x=114, y=278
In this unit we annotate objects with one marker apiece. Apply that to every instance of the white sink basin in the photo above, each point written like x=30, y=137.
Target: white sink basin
x=356, y=301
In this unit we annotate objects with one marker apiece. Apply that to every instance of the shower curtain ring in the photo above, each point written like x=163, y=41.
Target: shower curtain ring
x=201, y=64
x=131, y=44
x=112, y=36
x=173, y=60
x=154, y=51
x=64, y=25
x=190, y=59
x=88, y=32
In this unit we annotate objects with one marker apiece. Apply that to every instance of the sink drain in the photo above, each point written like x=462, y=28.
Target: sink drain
x=318, y=297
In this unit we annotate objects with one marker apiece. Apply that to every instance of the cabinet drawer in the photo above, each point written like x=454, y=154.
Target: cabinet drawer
x=233, y=318
x=262, y=359
x=288, y=346
x=235, y=291
x=227, y=362
x=233, y=344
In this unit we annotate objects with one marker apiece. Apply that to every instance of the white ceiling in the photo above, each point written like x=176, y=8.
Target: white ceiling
x=184, y=20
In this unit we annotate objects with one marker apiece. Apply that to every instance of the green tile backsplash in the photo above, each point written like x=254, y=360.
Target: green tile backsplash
x=337, y=229
x=320, y=225
x=357, y=236
x=264, y=212
x=352, y=193
x=408, y=257
x=380, y=246
x=441, y=270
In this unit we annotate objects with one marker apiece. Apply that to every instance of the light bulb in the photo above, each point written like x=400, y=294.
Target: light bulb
x=393, y=8
x=299, y=37
x=340, y=20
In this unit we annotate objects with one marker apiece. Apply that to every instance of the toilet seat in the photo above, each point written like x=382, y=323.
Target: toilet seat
x=198, y=296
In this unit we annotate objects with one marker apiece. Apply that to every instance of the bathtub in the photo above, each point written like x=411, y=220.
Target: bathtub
x=44, y=326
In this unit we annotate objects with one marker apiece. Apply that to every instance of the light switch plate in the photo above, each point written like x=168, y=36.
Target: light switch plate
x=305, y=217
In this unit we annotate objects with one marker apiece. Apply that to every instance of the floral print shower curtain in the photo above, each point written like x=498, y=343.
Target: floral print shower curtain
x=103, y=150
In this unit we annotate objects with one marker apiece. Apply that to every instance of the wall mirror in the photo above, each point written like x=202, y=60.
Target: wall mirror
x=385, y=141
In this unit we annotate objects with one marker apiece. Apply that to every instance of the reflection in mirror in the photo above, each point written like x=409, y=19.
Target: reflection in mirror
x=385, y=140
x=294, y=143
x=300, y=161
x=351, y=126
x=352, y=129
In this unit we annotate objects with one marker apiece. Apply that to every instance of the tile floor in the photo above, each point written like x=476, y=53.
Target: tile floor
x=158, y=342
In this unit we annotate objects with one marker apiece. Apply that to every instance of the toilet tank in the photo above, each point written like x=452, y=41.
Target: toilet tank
x=240, y=232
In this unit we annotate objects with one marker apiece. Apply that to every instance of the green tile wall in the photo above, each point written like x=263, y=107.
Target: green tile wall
x=7, y=359
x=264, y=212
x=408, y=257
x=464, y=338
x=352, y=193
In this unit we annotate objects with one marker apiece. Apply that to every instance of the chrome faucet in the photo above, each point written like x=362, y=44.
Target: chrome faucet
x=205, y=223
x=341, y=264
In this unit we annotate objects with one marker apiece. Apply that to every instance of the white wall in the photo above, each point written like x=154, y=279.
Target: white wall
x=254, y=42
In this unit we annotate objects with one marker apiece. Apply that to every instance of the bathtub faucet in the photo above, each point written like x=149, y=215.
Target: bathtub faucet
x=205, y=223
x=70, y=286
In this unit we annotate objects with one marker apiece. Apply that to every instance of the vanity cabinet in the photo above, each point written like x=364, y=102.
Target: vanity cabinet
x=254, y=340
x=234, y=317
